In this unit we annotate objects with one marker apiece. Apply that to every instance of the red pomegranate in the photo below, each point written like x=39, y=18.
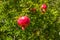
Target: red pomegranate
x=23, y=21
x=43, y=8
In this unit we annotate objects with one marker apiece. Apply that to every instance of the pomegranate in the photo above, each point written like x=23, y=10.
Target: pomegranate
x=23, y=21
x=43, y=8
x=33, y=9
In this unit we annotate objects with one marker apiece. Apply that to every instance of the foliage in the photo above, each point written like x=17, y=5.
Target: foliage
x=42, y=26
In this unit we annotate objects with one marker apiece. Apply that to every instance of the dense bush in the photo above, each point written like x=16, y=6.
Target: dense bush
x=42, y=26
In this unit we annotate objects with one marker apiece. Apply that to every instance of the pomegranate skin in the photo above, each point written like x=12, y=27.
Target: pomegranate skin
x=23, y=21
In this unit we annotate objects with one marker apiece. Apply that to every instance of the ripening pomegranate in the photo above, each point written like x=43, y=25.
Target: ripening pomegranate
x=23, y=21
x=33, y=9
x=43, y=8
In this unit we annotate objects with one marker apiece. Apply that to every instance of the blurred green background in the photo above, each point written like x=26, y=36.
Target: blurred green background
x=42, y=26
